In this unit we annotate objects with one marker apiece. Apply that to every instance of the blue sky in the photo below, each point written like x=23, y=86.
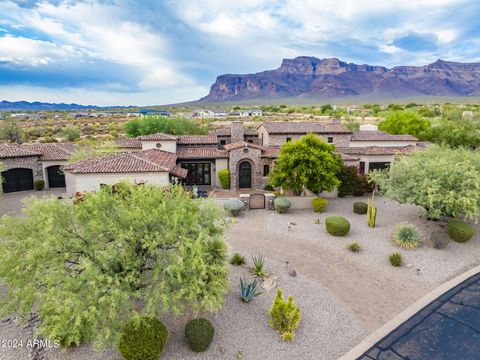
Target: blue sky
x=121, y=52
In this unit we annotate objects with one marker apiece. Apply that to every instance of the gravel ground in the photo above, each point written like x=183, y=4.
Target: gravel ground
x=436, y=266
x=11, y=203
x=327, y=330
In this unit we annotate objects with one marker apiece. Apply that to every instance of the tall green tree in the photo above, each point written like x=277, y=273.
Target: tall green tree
x=405, y=122
x=443, y=181
x=158, y=124
x=308, y=162
x=455, y=133
x=123, y=251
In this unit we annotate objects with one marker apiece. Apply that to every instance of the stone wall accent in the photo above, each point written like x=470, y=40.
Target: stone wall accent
x=26, y=162
x=237, y=132
x=254, y=157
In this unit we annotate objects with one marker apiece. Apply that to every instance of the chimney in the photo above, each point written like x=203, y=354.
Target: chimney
x=237, y=132
x=368, y=127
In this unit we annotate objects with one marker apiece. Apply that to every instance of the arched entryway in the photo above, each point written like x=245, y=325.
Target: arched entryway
x=56, y=178
x=245, y=175
x=18, y=179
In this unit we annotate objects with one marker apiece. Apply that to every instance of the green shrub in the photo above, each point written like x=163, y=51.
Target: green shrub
x=406, y=236
x=143, y=339
x=268, y=187
x=360, y=207
x=459, y=231
x=319, y=204
x=224, y=177
x=284, y=316
x=39, y=185
x=395, y=259
x=237, y=259
x=281, y=205
x=354, y=247
x=337, y=225
x=199, y=334
x=439, y=239
x=258, y=263
x=234, y=206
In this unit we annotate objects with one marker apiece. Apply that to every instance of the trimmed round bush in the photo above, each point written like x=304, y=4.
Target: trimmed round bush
x=337, y=225
x=395, y=259
x=360, y=207
x=459, y=231
x=234, y=206
x=439, y=239
x=319, y=204
x=406, y=236
x=199, y=334
x=143, y=340
x=281, y=205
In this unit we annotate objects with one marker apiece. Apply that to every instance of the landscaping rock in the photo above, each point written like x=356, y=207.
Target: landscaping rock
x=234, y=206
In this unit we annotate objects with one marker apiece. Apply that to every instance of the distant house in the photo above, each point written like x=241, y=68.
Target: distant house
x=24, y=116
x=219, y=113
x=80, y=115
x=148, y=112
x=1, y=117
x=246, y=113
x=203, y=113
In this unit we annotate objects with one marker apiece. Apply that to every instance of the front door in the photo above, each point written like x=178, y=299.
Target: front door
x=245, y=175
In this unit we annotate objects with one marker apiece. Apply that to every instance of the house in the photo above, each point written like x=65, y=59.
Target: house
x=245, y=113
x=203, y=113
x=23, y=164
x=148, y=112
x=247, y=153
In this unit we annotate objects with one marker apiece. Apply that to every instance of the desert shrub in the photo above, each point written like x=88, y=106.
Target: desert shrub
x=39, y=184
x=224, y=176
x=268, y=187
x=395, y=259
x=284, y=316
x=347, y=176
x=360, y=207
x=237, y=259
x=439, y=239
x=234, y=206
x=319, y=204
x=362, y=185
x=354, y=247
x=406, y=236
x=281, y=205
x=199, y=334
x=248, y=291
x=459, y=231
x=258, y=263
x=337, y=225
x=143, y=339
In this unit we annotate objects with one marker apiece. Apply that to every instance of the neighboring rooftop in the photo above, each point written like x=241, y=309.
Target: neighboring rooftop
x=53, y=152
x=128, y=143
x=201, y=153
x=227, y=131
x=292, y=127
x=11, y=151
x=377, y=150
x=197, y=139
x=157, y=137
x=380, y=136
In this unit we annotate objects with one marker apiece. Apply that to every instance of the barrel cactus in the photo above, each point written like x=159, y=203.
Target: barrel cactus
x=281, y=205
x=234, y=206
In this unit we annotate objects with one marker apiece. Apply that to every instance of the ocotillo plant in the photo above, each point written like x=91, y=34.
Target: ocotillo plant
x=372, y=211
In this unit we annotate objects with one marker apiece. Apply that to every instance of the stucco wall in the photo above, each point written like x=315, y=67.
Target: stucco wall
x=220, y=164
x=91, y=182
x=170, y=146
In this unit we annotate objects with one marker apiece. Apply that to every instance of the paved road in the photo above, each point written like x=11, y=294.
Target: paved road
x=446, y=329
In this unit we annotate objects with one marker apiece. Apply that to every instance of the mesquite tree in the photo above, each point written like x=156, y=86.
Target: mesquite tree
x=120, y=252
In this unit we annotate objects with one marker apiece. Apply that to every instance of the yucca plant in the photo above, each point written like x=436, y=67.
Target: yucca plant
x=237, y=259
x=258, y=263
x=248, y=291
x=371, y=212
x=406, y=236
x=218, y=249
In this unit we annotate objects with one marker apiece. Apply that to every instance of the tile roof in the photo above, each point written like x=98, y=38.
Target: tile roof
x=226, y=131
x=11, y=151
x=197, y=139
x=201, y=153
x=152, y=160
x=380, y=136
x=128, y=143
x=242, y=144
x=157, y=137
x=292, y=127
x=271, y=151
x=54, y=152
x=378, y=150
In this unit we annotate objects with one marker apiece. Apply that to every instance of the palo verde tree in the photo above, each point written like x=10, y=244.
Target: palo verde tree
x=160, y=124
x=442, y=180
x=405, y=122
x=307, y=163
x=122, y=252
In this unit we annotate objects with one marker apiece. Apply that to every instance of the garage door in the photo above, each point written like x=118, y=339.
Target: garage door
x=56, y=178
x=17, y=180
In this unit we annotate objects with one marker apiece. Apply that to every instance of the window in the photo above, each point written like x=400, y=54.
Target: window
x=330, y=140
x=158, y=145
x=378, y=165
x=288, y=139
x=223, y=142
x=266, y=170
x=250, y=141
x=198, y=173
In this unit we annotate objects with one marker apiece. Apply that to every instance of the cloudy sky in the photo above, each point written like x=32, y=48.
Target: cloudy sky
x=145, y=52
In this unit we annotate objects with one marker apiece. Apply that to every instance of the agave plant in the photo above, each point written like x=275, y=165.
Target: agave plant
x=248, y=291
x=406, y=236
x=258, y=263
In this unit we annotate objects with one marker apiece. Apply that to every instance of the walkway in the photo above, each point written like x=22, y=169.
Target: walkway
x=447, y=328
